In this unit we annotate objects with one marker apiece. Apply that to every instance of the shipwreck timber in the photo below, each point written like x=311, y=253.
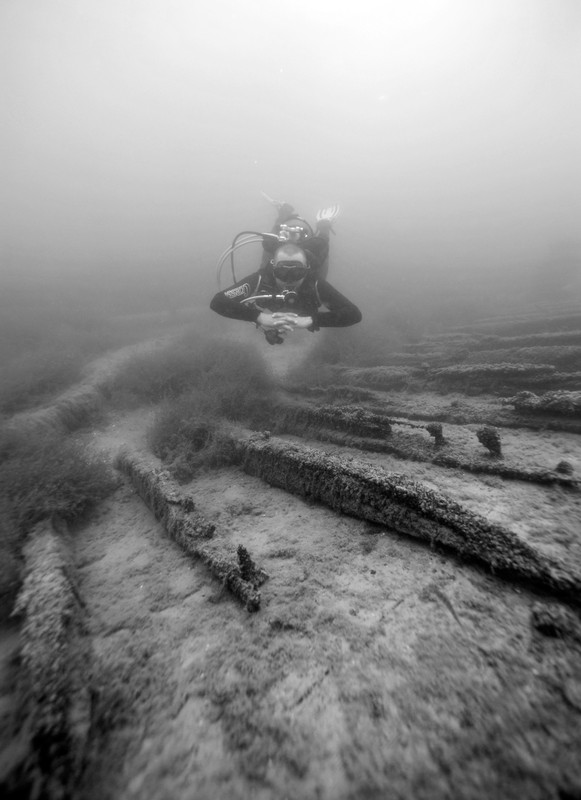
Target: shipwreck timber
x=371, y=493
x=190, y=529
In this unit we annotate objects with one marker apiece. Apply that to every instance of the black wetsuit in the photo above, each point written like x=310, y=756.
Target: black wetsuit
x=314, y=298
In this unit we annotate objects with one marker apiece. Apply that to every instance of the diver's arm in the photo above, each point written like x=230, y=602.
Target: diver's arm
x=285, y=212
x=317, y=250
x=340, y=312
x=228, y=303
x=323, y=230
x=325, y=219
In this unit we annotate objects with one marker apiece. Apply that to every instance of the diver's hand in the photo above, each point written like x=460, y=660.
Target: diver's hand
x=300, y=322
x=277, y=321
x=292, y=321
x=328, y=214
x=326, y=217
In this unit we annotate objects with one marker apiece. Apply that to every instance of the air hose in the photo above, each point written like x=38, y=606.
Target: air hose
x=250, y=237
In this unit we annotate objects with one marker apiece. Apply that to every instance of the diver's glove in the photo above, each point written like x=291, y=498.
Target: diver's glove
x=326, y=217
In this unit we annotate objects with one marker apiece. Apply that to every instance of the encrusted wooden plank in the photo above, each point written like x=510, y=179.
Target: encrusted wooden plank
x=354, y=487
x=352, y=426
x=55, y=666
x=188, y=527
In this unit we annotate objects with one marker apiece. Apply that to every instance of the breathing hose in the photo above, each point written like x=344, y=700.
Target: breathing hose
x=250, y=237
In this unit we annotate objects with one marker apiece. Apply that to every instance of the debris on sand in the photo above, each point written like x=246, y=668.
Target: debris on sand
x=435, y=430
x=490, y=438
x=556, y=621
x=557, y=402
x=249, y=571
x=564, y=467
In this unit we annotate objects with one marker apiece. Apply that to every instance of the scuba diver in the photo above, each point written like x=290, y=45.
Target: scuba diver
x=288, y=292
